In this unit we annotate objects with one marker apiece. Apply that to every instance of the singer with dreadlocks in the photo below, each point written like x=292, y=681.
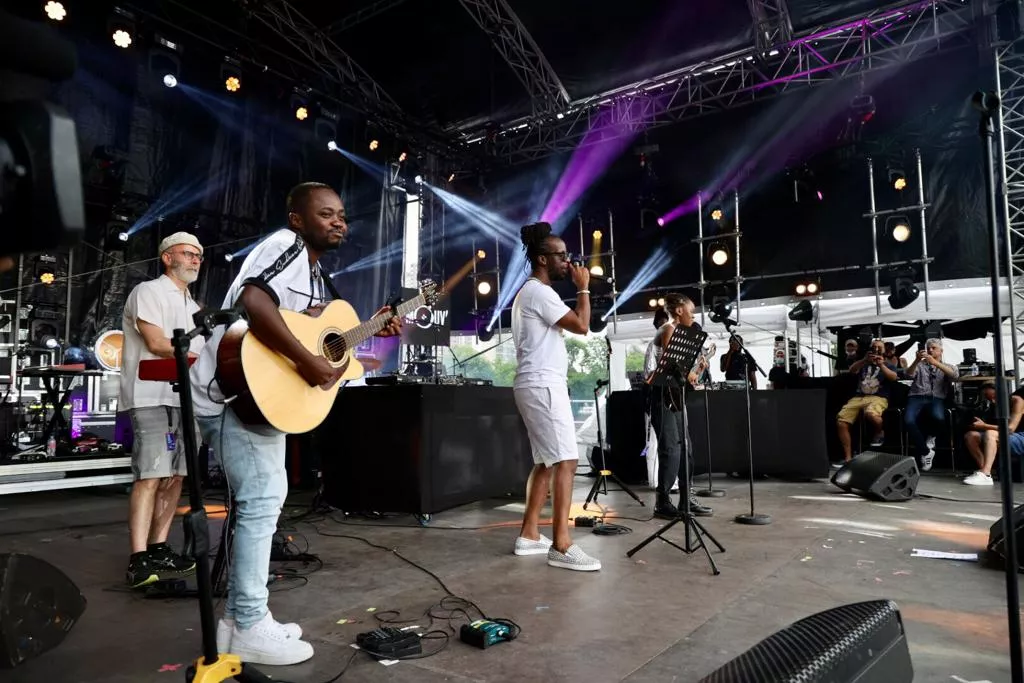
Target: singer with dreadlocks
x=542, y=393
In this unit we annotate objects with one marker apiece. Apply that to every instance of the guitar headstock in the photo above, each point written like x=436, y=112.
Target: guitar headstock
x=430, y=291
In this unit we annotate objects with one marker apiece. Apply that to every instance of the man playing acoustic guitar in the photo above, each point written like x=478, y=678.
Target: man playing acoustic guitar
x=281, y=273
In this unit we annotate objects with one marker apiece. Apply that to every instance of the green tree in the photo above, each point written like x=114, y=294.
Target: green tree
x=475, y=367
x=634, y=360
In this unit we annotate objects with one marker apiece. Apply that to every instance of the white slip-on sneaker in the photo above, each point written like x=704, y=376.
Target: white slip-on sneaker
x=926, y=460
x=225, y=626
x=979, y=478
x=525, y=546
x=267, y=643
x=930, y=443
x=573, y=558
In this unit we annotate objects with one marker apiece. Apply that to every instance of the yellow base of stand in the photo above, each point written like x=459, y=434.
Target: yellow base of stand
x=226, y=667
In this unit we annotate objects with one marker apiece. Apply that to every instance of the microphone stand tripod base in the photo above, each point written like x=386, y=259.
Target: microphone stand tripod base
x=753, y=519
x=710, y=493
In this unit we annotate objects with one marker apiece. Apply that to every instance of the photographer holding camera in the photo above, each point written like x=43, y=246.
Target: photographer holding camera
x=875, y=377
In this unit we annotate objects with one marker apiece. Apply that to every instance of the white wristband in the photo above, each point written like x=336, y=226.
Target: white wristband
x=583, y=291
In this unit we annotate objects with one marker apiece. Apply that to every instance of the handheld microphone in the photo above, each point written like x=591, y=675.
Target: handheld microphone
x=601, y=278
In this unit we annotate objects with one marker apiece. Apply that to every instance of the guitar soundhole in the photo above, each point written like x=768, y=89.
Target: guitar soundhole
x=334, y=347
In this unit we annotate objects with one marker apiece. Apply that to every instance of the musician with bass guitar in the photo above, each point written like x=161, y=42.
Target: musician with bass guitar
x=281, y=273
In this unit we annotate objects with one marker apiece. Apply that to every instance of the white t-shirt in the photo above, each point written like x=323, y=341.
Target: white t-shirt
x=651, y=357
x=279, y=266
x=540, y=347
x=159, y=302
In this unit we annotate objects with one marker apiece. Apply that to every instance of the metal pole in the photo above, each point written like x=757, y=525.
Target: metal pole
x=583, y=249
x=476, y=302
x=739, y=278
x=700, y=253
x=924, y=237
x=615, y=290
x=874, y=234
x=67, y=309
x=16, y=325
x=497, y=279
x=1008, y=235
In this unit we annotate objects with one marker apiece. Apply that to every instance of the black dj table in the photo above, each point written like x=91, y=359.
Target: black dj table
x=421, y=448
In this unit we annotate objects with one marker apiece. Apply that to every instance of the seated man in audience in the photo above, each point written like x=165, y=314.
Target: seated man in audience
x=850, y=352
x=983, y=440
x=875, y=378
x=932, y=383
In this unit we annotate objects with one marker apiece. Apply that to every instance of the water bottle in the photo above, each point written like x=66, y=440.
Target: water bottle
x=51, y=446
x=974, y=370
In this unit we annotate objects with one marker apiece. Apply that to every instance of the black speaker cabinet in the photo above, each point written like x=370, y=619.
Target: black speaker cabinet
x=880, y=476
x=627, y=437
x=38, y=606
x=997, y=541
x=863, y=642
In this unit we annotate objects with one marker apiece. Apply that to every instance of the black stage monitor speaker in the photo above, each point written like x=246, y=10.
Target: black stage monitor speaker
x=881, y=476
x=862, y=642
x=996, y=539
x=38, y=606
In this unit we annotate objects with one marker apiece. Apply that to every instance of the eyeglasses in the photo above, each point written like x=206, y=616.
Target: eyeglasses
x=193, y=255
x=564, y=255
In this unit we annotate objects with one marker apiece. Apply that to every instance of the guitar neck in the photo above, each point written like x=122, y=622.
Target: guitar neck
x=360, y=333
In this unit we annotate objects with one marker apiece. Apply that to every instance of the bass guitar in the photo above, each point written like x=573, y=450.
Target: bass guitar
x=265, y=388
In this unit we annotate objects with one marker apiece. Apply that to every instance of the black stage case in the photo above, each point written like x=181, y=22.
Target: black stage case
x=788, y=430
x=422, y=448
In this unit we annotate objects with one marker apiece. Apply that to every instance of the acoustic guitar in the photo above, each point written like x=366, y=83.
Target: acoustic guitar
x=264, y=386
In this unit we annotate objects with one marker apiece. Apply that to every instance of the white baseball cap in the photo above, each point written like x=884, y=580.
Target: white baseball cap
x=180, y=238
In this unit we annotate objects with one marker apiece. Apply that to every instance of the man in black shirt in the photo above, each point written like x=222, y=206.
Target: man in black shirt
x=735, y=365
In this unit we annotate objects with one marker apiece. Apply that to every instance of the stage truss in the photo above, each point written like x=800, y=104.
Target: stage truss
x=1010, y=85
x=876, y=40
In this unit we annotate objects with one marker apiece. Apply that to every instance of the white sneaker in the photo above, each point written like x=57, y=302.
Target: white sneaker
x=525, y=546
x=878, y=440
x=930, y=443
x=926, y=459
x=267, y=643
x=979, y=479
x=225, y=626
x=573, y=558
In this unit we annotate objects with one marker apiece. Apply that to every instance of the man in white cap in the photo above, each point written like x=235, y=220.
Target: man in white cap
x=152, y=312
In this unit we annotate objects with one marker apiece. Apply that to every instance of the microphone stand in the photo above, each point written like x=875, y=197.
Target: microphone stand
x=751, y=518
x=710, y=491
x=988, y=104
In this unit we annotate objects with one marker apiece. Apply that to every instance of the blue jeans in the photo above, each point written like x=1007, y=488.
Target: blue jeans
x=253, y=461
x=933, y=408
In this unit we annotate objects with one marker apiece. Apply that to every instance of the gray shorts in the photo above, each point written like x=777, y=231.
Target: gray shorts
x=151, y=456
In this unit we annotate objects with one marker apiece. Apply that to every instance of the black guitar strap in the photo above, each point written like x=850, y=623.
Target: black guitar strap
x=326, y=279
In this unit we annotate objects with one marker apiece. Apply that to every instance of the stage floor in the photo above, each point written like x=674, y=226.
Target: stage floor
x=660, y=616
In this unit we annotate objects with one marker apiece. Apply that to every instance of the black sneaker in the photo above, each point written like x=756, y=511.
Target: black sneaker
x=666, y=510
x=168, y=561
x=142, y=572
x=698, y=510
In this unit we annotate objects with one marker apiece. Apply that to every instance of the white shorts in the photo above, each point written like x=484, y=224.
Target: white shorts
x=547, y=413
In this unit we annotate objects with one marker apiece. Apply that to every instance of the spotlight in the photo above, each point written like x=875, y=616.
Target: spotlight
x=898, y=179
x=661, y=222
x=661, y=302
x=652, y=303
x=597, y=270
x=232, y=84
x=418, y=180
x=374, y=144
x=902, y=290
x=719, y=253
x=720, y=312
x=483, y=333
x=716, y=215
x=47, y=277
x=812, y=287
x=481, y=254
x=597, y=234
x=597, y=320
x=801, y=289
x=228, y=258
x=122, y=38
x=123, y=236
x=170, y=81
x=900, y=228
x=807, y=288
x=332, y=145
x=483, y=287
x=803, y=312
x=402, y=157
x=301, y=113
x=55, y=10
x=451, y=177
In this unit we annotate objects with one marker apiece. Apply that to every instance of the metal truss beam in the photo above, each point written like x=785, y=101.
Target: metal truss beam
x=360, y=15
x=879, y=39
x=1010, y=83
x=517, y=47
x=772, y=25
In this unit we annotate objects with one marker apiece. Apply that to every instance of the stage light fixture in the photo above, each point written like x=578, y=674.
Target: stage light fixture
x=170, y=81
x=228, y=258
x=301, y=113
x=716, y=214
x=597, y=234
x=232, y=84
x=597, y=270
x=332, y=145
x=55, y=11
x=898, y=179
x=902, y=290
x=801, y=289
x=451, y=177
x=374, y=144
x=482, y=332
x=652, y=303
x=483, y=287
x=47, y=277
x=418, y=180
x=481, y=254
x=719, y=253
x=720, y=312
x=123, y=236
x=807, y=288
x=661, y=302
x=597, y=321
x=803, y=312
x=122, y=38
x=812, y=287
x=661, y=222
x=402, y=157
x=900, y=228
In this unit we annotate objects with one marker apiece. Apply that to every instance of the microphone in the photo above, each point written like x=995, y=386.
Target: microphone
x=600, y=278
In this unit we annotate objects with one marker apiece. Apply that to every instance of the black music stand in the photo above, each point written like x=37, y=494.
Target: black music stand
x=674, y=367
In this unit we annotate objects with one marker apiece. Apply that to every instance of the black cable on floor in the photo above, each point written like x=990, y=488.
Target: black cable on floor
x=958, y=500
